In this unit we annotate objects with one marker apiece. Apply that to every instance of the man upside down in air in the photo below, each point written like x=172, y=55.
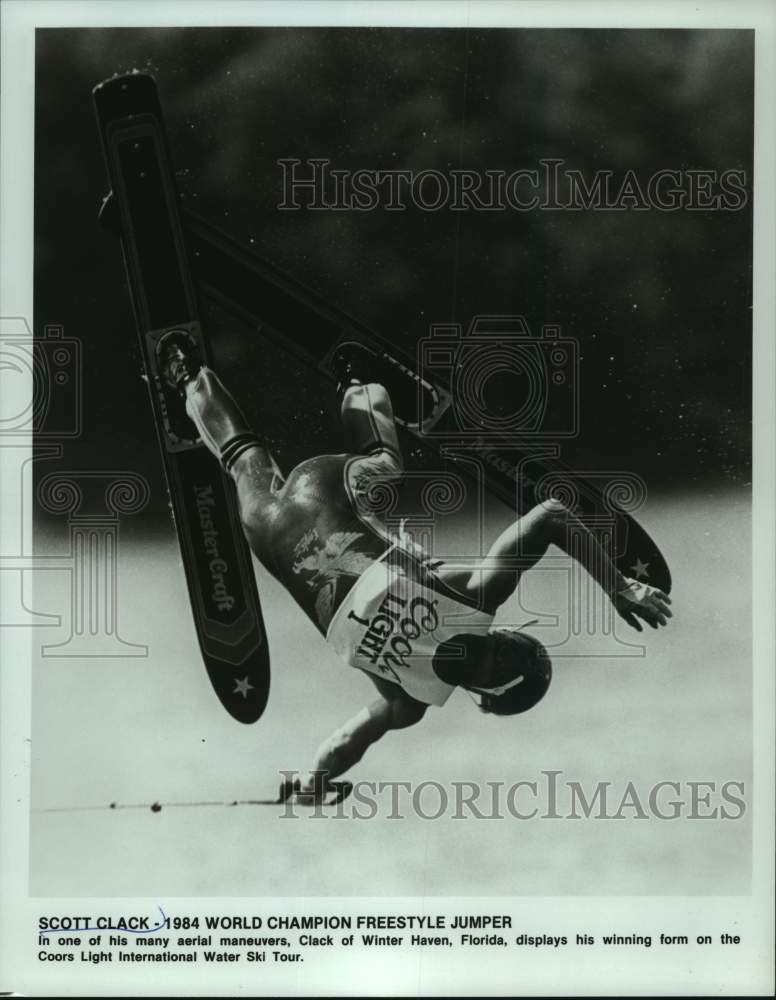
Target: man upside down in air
x=417, y=627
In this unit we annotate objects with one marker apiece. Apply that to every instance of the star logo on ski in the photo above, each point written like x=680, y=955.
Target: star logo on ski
x=242, y=687
x=640, y=568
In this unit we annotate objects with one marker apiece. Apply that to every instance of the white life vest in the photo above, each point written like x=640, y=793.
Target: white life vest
x=391, y=624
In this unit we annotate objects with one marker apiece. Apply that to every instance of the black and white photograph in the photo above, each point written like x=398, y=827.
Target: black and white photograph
x=387, y=547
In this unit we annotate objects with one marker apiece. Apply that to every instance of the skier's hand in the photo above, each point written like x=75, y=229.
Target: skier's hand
x=639, y=600
x=309, y=797
x=315, y=790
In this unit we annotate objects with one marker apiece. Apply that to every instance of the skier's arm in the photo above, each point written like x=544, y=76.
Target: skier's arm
x=523, y=544
x=348, y=744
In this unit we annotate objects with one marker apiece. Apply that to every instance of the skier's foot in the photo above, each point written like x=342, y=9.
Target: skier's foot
x=354, y=364
x=178, y=359
x=413, y=398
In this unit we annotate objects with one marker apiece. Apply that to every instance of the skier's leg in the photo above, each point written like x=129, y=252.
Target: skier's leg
x=367, y=416
x=377, y=464
x=225, y=431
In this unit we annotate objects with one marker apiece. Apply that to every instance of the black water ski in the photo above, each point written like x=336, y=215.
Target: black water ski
x=216, y=558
